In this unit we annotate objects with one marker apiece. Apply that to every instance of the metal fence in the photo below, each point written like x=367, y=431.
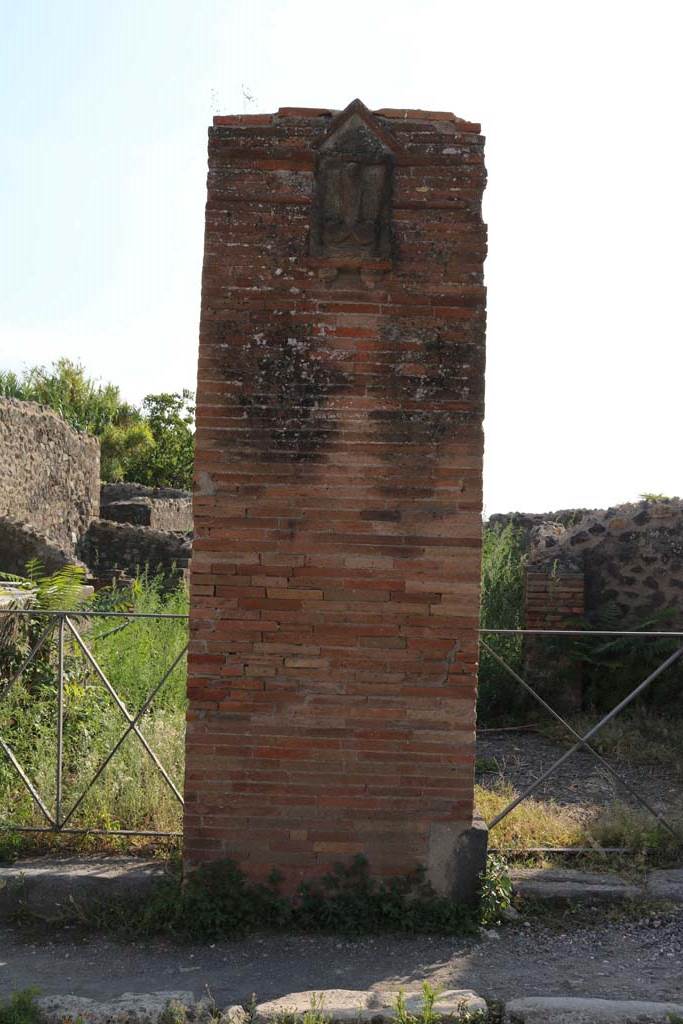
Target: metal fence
x=583, y=741
x=62, y=626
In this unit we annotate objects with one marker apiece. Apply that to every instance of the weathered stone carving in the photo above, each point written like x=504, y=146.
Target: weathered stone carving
x=351, y=214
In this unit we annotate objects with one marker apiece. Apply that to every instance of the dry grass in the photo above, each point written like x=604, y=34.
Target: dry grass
x=532, y=823
x=546, y=823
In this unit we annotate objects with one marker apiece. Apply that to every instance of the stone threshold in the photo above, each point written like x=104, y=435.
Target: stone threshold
x=341, y=1006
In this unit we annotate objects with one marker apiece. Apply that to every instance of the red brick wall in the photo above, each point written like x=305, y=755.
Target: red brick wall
x=337, y=508
x=554, y=598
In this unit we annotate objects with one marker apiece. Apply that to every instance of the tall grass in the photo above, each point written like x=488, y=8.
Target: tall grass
x=503, y=562
x=133, y=655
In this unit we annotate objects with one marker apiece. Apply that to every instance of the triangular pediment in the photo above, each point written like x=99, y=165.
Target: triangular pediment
x=358, y=132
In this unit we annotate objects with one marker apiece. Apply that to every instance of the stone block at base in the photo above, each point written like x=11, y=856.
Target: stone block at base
x=341, y=1005
x=130, y=1008
x=456, y=858
x=561, y=1010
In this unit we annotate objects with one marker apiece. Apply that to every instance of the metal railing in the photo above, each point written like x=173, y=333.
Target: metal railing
x=63, y=625
x=582, y=741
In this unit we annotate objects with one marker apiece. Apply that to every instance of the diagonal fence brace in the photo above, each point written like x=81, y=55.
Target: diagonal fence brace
x=29, y=658
x=583, y=740
x=124, y=710
x=27, y=782
x=131, y=726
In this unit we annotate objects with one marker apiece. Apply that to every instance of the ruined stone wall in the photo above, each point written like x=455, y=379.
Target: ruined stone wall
x=20, y=544
x=109, y=546
x=49, y=473
x=619, y=568
x=336, y=561
x=631, y=558
x=162, y=508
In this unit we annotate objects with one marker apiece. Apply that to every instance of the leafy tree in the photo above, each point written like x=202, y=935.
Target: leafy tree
x=153, y=445
x=64, y=387
x=170, y=418
x=122, y=448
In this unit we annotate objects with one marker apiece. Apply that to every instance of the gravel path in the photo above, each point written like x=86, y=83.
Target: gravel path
x=522, y=756
x=631, y=959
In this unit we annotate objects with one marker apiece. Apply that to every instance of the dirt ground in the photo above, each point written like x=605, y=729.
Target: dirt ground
x=521, y=756
x=637, y=957
x=603, y=951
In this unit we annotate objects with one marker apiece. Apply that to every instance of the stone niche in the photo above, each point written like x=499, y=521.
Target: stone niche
x=337, y=510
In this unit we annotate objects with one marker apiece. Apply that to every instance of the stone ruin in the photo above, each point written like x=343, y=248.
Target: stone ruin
x=54, y=509
x=618, y=568
x=336, y=560
x=49, y=473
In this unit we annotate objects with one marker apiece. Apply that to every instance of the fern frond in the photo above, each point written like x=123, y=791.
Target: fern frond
x=62, y=590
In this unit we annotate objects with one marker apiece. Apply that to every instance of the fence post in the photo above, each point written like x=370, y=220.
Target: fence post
x=60, y=725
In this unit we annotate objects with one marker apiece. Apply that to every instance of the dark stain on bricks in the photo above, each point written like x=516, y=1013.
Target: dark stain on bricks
x=428, y=367
x=284, y=383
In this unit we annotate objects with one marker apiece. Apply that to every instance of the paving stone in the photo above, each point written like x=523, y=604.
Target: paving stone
x=560, y=883
x=560, y=1010
x=340, y=1005
x=130, y=1008
x=666, y=884
x=47, y=885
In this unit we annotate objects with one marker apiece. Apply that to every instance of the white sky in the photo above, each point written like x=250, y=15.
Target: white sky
x=102, y=176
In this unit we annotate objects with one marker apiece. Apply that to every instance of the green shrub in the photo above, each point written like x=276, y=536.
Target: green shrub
x=218, y=901
x=21, y=1008
x=133, y=654
x=503, y=561
x=496, y=890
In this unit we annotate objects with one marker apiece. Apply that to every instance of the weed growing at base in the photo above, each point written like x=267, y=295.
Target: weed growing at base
x=426, y=1013
x=177, y=1013
x=218, y=901
x=315, y=1014
x=21, y=1008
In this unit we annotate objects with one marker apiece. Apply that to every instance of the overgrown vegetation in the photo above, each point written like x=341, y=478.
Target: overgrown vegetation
x=503, y=561
x=133, y=654
x=610, y=668
x=426, y=1013
x=218, y=901
x=21, y=1008
x=150, y=445
x=546, y=823
x=176, y=1012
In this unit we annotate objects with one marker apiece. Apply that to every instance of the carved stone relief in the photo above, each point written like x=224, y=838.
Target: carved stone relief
x=351, y=216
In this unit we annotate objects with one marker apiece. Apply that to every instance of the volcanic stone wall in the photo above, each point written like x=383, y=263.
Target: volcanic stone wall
x=110, y=546
x=336, y=562
x=630, y=559
x=162, y=508
x=20, y=544
x=49, y=472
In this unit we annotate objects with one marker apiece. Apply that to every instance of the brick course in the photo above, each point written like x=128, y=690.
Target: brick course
x=337, y=509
